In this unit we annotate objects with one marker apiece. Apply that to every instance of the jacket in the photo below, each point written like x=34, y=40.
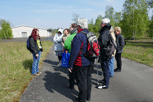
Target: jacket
x=34, y=46
x=104, y=37
x=68, y=42
x=79, y=45
x=120, y=43
x=58, y=42
x=114, y=38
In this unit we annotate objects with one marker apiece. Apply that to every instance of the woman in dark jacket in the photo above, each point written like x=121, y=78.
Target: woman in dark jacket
x=36, y=49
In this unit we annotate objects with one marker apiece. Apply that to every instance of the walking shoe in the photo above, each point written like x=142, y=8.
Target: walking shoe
x=102, y=86
x=88, y=99
x=59, y=65
x=117, y=70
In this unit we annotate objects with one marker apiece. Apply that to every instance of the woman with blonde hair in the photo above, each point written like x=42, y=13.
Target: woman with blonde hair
x=111, y=62
x=66, y=34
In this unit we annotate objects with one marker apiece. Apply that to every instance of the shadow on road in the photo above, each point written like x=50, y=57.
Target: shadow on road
x=57, y=83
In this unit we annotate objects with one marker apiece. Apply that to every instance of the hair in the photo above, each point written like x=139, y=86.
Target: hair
x=33, y=34
x=74, y=25
x=67, y=30
x=118, y=29
x=112, y=29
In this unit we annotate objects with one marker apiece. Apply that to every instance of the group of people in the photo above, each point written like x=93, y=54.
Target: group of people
x=74, y=41
x=80, y=68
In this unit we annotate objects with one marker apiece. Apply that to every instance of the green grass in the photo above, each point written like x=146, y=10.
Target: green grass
x=140, y=51
x=15, y=64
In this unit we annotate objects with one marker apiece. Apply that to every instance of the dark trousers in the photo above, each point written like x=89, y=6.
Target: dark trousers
x=92, y=60
x=105, y=69
x=83, y=77
x=60, y=58
x=71, y=79
x=118, y=59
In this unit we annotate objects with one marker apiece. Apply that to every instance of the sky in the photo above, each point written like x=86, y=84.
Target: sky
x=53, y=13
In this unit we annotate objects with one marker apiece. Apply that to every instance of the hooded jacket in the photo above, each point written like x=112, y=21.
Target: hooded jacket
x=58, y=41
x=79, y=44
x=104, y=37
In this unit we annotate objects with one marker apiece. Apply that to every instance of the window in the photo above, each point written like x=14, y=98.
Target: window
x=24, y=34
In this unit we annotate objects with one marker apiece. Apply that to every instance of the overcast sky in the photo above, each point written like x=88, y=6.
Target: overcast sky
x=53, y=13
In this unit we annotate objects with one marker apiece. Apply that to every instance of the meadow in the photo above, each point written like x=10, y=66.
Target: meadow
x=15, y=64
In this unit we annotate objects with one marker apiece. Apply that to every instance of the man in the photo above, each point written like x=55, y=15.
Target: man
x=79, y=63
x=119, y=50
x=104, y=39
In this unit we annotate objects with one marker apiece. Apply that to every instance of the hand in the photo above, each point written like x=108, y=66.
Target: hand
x=37, y=55
x=41, y=52
x=70, y=70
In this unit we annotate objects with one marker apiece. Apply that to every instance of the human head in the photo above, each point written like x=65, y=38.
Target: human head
x=35, y=33
x=83, y=23
x=66, y=31
x=117, y=30
x=73, y=25
x=60, y=31
x=104, y=22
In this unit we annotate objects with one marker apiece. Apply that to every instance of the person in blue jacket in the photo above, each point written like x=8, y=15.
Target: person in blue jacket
x=79, y=64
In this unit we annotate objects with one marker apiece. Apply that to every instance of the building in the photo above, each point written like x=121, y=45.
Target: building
x=25, y=31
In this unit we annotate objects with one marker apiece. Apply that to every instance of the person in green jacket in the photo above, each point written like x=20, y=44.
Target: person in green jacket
x=73, y=32
x=67, y=47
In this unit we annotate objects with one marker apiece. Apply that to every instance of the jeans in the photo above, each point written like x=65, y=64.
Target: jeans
x=111, y=66
x=35, y=65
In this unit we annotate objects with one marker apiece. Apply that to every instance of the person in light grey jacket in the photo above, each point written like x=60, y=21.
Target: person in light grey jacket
x=58, y=47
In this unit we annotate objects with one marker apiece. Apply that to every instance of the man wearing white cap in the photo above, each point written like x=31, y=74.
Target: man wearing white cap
x=79, y=63
x=103, y=40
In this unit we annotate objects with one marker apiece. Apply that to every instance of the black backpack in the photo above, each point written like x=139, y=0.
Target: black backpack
x=111, y=47
x=28, y=44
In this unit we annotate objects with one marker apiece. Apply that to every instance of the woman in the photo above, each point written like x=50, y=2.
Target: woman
x=111, y=62
x=67, y=47
x=58, y=45
x=36, y=49
x=66, y=34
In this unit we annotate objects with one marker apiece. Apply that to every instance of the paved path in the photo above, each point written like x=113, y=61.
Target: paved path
x=133, y=84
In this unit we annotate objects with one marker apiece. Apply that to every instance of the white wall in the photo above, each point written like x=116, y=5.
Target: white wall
x=17, y=31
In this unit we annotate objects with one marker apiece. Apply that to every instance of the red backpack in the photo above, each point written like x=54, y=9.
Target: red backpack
x=93, y=48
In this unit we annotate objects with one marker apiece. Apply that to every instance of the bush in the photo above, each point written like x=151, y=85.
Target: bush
x=6, y=31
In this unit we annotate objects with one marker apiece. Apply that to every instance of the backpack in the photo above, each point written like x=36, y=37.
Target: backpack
x=28, y=44
x=111, y=47
x=93, y=48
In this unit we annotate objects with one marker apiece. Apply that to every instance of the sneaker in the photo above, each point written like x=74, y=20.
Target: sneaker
x=102, y=87
x=59, y=64
x=117, y=70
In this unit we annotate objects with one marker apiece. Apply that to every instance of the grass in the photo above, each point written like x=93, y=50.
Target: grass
x=15, y=64
x=140, y=51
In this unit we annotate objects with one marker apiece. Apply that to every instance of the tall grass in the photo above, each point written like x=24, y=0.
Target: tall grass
x=15, y=64
x=140, y=51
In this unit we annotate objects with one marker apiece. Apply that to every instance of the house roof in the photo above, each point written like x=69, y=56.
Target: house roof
x=28, y=26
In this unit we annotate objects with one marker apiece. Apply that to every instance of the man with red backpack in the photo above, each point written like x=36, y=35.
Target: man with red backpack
x=79, y=63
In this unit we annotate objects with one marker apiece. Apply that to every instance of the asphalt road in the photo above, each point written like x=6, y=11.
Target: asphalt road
x=133, y=84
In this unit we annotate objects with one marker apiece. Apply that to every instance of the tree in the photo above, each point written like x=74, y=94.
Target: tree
x=117, y=19
x=97, y=23
x=6, y=31
x=75, y=17
x=109, y=13
x=135, y=18
x=91, y=26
